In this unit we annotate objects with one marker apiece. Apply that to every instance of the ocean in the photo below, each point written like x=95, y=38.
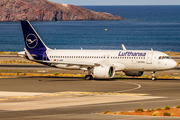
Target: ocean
x=146, y=27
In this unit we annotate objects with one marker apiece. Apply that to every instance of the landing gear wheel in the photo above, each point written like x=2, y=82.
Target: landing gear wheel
x=88, y=77
x=153, y=78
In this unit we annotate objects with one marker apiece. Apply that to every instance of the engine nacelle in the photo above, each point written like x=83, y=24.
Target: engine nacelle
x=134, y=73
x=104, y=72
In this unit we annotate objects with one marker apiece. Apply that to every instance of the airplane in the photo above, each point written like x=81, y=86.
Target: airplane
x=100, y=64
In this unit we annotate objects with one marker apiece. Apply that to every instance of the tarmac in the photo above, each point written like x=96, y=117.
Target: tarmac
x=68, y=98
x=75, y=98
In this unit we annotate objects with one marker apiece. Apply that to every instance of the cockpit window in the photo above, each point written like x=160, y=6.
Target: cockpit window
x=164, y=57
x=167, y=57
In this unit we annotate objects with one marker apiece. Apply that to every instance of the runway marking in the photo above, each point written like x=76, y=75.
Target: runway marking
x=26, y=95
x=160, y=89
x=129, y=102
x=99, y=93
x=139, y=86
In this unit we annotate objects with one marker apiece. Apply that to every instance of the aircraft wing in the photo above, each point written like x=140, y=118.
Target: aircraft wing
x=71, y=63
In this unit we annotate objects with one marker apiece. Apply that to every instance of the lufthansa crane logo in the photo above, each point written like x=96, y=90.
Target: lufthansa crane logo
x=31, y=41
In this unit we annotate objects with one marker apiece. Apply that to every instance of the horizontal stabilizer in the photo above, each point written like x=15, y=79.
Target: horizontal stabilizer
x=28, y=54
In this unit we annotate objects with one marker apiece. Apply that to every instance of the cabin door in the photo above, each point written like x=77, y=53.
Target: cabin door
x=149, y=58
x=105, y=60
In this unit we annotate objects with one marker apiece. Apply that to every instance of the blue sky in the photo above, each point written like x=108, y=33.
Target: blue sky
x=119, y=2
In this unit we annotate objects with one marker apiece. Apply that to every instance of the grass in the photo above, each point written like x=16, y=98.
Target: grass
x=139, y=110
x=40, y=74
x=17, y=62
x=106, y=112
x=156, y=113
x=178, y=106
x=170, y=53
x=167, y=108
x=8, y=53
x=158, y=109
x=148, y=110
x=166, y=114
x=167, y=111
x=56, y=74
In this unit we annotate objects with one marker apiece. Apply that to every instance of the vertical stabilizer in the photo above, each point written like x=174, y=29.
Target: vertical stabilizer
x=32, y=40
x=35, y=47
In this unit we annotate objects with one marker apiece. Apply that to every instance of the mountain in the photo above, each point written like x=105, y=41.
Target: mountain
x=44, y=10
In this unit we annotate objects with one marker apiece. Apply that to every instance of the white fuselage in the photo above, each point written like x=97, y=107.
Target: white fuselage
x=122, y=60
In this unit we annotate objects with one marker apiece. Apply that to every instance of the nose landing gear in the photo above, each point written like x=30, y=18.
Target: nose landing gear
x=153, y=76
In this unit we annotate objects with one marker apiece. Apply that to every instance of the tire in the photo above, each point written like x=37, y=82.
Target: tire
x=153, y=78
x=88, y=77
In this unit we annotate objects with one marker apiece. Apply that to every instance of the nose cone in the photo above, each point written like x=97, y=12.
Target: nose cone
x=172, y=64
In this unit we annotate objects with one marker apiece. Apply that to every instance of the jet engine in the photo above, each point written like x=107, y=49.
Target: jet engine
x=134, y=73
x=104, y=72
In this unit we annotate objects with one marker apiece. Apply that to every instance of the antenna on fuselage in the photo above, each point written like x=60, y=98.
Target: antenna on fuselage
x=152, y=49
x=124, y=48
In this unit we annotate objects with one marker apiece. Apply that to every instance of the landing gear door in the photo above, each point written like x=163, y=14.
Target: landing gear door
x=149, y=58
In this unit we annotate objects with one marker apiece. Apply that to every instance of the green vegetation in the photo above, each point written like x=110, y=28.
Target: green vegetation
x=170, y=53
x=17, y=62
x=148, y=110
x=8, y=53
x=82, y=75
x=166, y=114
x=106, y=112
x=167, y=108
x=156, y=113
x=139, y=110
x=56, y=73
x=18, y=73
x=158, y=109
x=178, y=106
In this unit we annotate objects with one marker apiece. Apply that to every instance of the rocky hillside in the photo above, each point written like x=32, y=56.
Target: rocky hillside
x=44, y=10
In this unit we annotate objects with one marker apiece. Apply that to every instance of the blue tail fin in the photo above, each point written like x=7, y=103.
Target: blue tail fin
x=34, y=45
x=32, y=40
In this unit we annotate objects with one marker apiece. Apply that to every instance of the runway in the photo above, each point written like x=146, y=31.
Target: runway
x=136, y=93
x=76, y=99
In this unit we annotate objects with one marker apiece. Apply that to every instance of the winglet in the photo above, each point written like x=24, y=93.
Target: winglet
x=124, y=48
x=28, y=54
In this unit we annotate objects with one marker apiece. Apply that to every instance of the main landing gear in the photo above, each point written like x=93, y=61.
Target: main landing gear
x=89, y=76
x=153, y=76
